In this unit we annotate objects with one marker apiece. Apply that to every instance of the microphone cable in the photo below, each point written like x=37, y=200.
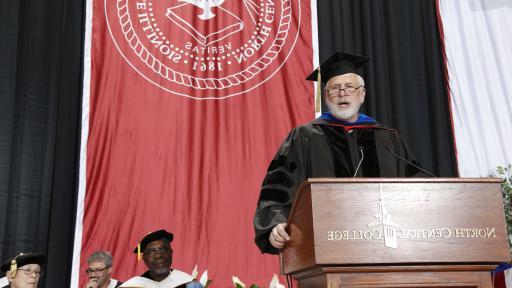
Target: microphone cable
x=360, y=161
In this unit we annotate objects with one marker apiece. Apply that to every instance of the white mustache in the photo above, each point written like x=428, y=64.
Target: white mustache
x=343, y=102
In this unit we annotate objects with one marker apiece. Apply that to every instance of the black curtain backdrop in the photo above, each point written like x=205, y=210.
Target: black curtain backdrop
x=404, y=79
x=40, y=88
x=40, y=91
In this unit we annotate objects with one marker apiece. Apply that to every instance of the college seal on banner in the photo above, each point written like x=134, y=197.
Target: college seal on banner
x=204, y=49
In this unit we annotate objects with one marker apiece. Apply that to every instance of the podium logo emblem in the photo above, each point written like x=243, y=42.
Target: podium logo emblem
x=384, y=218
x=204, y=49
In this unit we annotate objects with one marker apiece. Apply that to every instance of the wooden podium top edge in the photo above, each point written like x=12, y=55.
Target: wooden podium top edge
x=437, y=180
x=359, y=180
x=403, y=180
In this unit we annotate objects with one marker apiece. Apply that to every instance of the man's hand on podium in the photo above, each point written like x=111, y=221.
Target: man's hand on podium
x=278, y=237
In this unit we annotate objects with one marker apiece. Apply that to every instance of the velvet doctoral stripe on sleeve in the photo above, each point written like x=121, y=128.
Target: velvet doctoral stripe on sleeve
x=304, y=153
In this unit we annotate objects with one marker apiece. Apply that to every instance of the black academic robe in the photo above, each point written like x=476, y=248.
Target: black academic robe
x=324, y=149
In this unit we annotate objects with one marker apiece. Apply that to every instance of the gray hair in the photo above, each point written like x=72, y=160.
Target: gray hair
x=101, y=256
x=360, y=80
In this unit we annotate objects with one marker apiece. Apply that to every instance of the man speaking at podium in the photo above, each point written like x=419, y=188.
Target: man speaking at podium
x=340, y=143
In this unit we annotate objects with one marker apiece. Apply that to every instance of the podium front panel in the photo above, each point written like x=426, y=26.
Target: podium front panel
x=398, y=221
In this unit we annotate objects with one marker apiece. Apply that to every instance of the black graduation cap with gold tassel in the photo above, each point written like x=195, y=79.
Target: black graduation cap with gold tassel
x=20, y=260
x=338, y=63
x=150, y=237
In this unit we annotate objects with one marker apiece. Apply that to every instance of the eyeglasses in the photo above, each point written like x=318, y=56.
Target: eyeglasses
x=154, y=251
x=29, y=272
x=336, y=91
x=94, y=271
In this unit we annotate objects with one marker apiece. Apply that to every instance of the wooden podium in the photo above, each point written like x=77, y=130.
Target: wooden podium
x=396, y=232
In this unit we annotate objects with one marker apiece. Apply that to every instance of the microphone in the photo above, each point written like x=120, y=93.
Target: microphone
x=360, y=161
x=409, y=162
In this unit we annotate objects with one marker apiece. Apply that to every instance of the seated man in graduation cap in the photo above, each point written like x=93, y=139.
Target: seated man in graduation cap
x=340, y=143
x=157, y=255
x=23, y=270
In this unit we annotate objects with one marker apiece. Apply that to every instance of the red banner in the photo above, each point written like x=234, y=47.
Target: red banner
x=189, y=101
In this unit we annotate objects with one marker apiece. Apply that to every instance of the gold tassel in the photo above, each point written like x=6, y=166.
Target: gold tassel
x=318, y=95
x=14, y=268
x=138, y=252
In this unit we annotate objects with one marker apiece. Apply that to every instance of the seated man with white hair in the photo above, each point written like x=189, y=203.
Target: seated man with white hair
x=100, y=271
x=23, y=270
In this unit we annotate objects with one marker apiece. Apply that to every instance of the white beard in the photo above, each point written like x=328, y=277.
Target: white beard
x=343, y=113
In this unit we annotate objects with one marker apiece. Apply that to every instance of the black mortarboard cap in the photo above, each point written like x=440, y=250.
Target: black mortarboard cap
x=153, y=236
x=339, y=63
x=22, y=259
